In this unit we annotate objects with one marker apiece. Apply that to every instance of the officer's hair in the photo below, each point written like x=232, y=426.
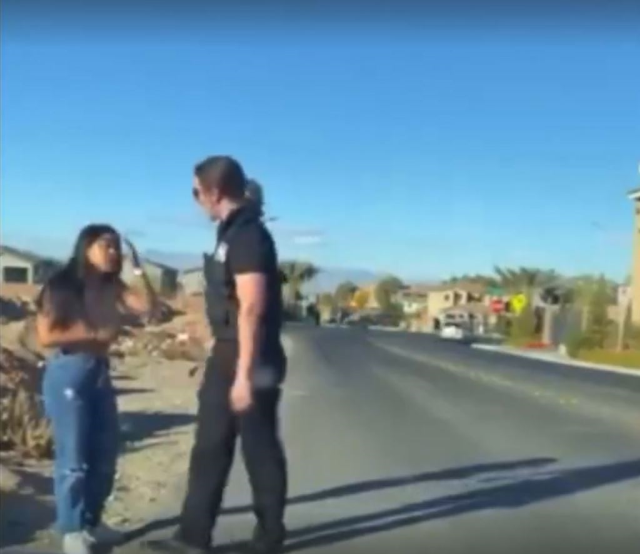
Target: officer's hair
x=224, y=174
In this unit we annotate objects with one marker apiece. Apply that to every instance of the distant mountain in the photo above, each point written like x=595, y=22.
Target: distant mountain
x=179, y=260
x=326, y=281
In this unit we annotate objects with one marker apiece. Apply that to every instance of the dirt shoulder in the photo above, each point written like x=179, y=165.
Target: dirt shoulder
x=157, y=404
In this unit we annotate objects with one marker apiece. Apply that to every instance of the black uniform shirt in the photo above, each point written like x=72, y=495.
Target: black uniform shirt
x=245, y=245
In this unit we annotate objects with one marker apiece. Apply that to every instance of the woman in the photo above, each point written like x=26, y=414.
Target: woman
x=79, y=316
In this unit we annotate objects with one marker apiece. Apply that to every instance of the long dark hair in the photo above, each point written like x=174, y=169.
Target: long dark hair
x=63, y=294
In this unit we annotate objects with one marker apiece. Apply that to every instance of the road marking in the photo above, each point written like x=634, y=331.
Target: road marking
x=545, y=397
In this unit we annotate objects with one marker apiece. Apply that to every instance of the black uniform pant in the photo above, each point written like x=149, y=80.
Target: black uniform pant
x=212, y=455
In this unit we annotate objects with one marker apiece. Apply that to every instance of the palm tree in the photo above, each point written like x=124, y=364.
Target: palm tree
x=528, y=280
x=294, y=274
x=525, y=279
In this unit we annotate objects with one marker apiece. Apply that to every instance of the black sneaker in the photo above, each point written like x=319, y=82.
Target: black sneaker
x=175, y=546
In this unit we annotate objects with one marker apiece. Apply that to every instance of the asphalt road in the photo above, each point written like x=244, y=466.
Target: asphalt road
x=404, y=443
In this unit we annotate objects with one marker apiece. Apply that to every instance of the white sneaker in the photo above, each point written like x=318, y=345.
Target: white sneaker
x=77, y=543
x=104, y=534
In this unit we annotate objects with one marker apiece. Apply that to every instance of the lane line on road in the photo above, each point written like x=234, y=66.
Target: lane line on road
x=542, y=396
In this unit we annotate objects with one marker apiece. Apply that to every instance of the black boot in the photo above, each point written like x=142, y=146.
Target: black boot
x=264, y=543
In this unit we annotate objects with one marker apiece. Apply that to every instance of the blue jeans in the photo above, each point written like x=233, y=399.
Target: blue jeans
x=80, y=402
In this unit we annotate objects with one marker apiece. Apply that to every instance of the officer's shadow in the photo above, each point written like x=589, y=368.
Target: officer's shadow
x=362, y=487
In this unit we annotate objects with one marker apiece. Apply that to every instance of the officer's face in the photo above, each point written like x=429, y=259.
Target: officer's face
x=209, y=200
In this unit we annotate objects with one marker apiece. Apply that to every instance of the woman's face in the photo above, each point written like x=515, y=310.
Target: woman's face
x=104, y=254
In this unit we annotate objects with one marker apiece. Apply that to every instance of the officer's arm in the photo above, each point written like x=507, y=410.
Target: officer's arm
x=251, y=292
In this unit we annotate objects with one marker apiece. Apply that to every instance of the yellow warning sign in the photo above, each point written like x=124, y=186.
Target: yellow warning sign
x=518, y=303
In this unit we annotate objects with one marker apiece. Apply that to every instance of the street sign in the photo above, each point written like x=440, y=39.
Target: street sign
x=497, y=305
x=518, y=303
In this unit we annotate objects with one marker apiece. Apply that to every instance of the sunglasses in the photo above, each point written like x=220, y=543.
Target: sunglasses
x=196, y=193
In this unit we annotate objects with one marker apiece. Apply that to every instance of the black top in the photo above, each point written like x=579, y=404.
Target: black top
x=244, y=245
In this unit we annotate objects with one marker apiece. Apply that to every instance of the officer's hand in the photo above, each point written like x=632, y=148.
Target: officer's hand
x=240, y=396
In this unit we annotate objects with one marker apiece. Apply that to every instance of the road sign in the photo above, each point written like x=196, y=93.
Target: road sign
x=518, y=303
x=497, y=305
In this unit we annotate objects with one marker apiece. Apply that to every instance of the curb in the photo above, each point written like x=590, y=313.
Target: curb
x=559, y=361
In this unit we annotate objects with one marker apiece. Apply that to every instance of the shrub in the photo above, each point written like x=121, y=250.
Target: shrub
x=575, y=342
x=524, y=326
x=22, y=425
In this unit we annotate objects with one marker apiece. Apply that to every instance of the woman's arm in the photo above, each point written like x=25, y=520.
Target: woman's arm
x=78, y=332
x=140, y=298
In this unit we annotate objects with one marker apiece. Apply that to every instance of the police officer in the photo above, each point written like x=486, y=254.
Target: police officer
x=240, y=392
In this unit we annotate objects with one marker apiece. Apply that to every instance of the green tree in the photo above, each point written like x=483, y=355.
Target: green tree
x=327, y=301
x=344, y=293
x=598, y=323
x=294, y=274
x=525, y=279
x=479, y=279
x=385, y=291
x=583, y=287
x=592, y=295
x=361, y=298
x=523, y=326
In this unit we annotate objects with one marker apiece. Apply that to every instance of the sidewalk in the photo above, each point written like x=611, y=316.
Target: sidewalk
x=556, y=358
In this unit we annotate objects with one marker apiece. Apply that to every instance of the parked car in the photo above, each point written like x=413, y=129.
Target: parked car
x=454, y=331
x=357, y=320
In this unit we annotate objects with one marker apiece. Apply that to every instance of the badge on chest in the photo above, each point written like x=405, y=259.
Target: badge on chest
x=220, y=254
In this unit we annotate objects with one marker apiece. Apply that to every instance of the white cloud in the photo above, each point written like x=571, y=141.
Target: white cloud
x=308, y=239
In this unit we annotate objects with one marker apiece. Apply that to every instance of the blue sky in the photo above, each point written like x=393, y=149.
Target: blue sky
x=421, y=153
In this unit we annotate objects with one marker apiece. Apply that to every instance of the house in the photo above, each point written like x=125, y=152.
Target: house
x=412, y=299
x=441, y=299
x=24, y=268
x=634, y=196
x=192, y=281
x=164, y=278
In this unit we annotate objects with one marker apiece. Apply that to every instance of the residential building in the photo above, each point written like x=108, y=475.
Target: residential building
x=443, y=298
x=413, y=299
x=24, y=268
x=163, y=277
x=634, y=196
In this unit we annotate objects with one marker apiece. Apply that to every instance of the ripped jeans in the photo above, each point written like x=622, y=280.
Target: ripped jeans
x=80, y=401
